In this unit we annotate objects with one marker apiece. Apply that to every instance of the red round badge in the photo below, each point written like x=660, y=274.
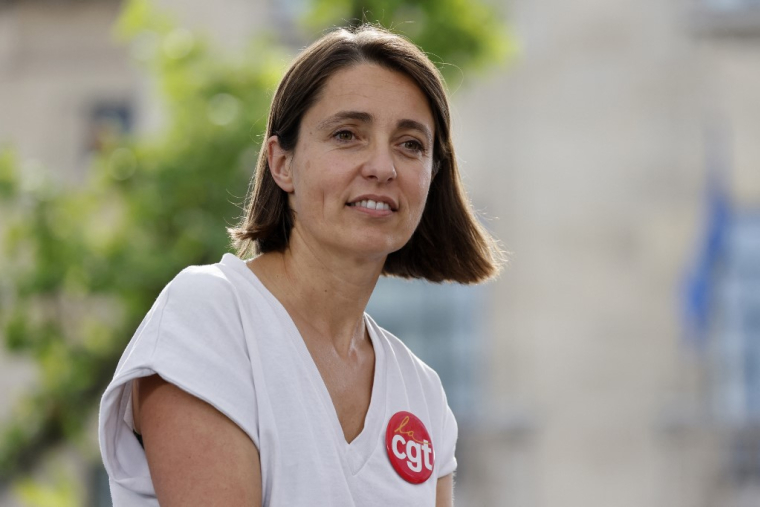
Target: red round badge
x=410, y=448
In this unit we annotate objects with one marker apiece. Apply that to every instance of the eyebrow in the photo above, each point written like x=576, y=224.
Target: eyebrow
x=367, y=118
x=342, y=116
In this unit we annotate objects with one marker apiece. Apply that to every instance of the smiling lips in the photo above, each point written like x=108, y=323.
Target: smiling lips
x=379, y=204
x=372, y=205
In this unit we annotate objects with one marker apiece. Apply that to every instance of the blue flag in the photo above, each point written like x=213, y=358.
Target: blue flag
x=699, y=286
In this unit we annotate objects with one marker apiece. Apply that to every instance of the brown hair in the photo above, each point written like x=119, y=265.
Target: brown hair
x=449, y=244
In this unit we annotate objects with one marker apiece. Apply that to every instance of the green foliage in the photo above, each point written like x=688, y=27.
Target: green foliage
x=82, y=266
x=7, y=174
x=60, y=490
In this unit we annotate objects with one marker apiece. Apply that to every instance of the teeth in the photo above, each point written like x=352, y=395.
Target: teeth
x=370, y=204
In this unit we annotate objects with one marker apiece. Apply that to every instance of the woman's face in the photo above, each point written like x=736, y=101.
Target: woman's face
x=360, y=172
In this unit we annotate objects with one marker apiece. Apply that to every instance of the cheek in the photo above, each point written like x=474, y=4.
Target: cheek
x=421, y=189
x=417, y=193
x=303, y=188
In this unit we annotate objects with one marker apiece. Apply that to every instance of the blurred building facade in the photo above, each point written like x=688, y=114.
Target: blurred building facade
x=583, y=383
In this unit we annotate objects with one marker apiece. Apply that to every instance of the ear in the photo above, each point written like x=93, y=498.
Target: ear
x=279, y=164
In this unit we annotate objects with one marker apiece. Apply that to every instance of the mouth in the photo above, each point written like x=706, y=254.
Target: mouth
x=379, y=203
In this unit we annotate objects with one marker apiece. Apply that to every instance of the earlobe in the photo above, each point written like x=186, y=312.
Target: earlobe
x=279, y=164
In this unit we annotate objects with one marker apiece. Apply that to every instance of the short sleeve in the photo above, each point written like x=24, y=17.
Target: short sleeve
x=446, y=455
x=193, y=338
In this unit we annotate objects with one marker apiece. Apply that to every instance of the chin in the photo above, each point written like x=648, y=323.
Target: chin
x=377, y=247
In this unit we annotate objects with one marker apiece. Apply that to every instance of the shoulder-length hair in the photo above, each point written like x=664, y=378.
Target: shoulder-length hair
x=449, y=243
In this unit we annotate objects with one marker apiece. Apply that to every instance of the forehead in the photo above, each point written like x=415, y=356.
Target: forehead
x=389, y=96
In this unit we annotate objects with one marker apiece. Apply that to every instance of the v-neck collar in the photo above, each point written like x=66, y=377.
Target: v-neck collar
x=357, y=452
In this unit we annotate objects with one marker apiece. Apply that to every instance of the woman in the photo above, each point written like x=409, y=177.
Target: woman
x=263, y=382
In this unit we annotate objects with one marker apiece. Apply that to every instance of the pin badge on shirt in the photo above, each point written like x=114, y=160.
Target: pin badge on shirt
x=410, y=448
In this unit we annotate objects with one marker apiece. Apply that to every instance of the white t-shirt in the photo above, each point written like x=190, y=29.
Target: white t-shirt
x=216, y=332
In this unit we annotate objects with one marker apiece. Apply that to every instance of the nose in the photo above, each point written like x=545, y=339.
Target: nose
x=380, y=166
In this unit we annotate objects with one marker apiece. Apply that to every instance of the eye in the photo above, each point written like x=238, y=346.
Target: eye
x=344, y=135
x=414, y=146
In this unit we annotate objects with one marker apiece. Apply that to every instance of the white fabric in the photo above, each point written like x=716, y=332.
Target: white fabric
x=217, y=333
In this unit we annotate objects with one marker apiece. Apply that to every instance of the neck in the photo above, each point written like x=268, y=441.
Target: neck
x=328, y=292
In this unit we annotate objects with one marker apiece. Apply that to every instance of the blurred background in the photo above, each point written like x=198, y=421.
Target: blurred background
x=613, y=148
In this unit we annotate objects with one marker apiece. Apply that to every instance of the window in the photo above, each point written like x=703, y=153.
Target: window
x=736, y=332
x=727, y=17
x=730, y=5
x=106, y=122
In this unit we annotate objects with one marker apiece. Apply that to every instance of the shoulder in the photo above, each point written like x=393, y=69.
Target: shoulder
x=424, y=396
x=207, y=281
x=199, y=307
x=203, y=288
